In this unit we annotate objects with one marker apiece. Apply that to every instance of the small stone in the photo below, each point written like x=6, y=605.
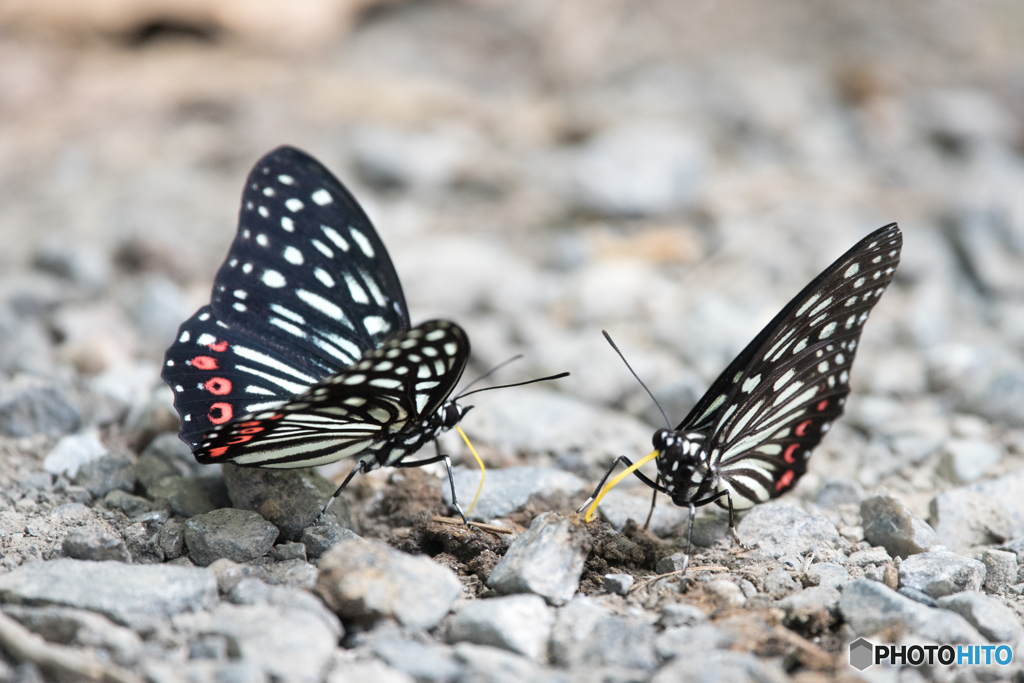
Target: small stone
x=838, y=492
x=289, y=551
x=869, y=607
x=322, y=537
x=143, y=543
x=827, y=574
x=421, y=661
x=725, y=593
x=811, y=609
x=778, y=583
x=149, y=469
x=81, y=628
x=171, y=539
x=291, y=499
x=130, y=505
x=485, y=664
x=862, y=558
x=251, y=591
x=963, y=518
x=33, y=409
x=967, y=460
x=230, y=573
x=673, y=563
x=95, y=543
x=370, y=670
x=106, y=474
x=721, y=665
x=547, y=559
x=709, y=530
x=518, y=623
x=74, y=451
x=238, y=535
x=367, y=581
x=618, y=506
x=892, y=525
x=123, y=592
x=781, y=529
x=1000, y=569
x=588, y=635
x=918, y=596
x=691, y=641
x=510, y=488
x=618, y=583
x=993, y=619
x=681, y=614
x=185, y=496
x=295, y=573
x=941, y=573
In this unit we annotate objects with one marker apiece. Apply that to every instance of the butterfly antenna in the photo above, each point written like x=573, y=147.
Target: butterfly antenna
x=490, y=372
x=649, y=392
x=517, y=384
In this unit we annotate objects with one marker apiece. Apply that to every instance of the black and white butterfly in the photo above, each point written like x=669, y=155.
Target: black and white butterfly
x=305, y=354
x=748, y=439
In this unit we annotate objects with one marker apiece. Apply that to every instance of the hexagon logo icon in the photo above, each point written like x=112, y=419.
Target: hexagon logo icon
x=862, y=654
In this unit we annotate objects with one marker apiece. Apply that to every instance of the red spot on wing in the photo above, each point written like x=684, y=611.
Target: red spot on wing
x=801, y=429
x=220, y=413
x=788, y=455
x=204, y=363
x=785, y=480
x=250, y=423
x=239, y=439
x=217, y=452
x=823, y=405
x=218, y=386
x=221, y=346
x=251, y=430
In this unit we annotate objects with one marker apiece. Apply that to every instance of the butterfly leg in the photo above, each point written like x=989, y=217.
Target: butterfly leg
x=689, y=537
x=654, y=499
x=628, y=463
x=732, y=527
x=358, y=469
x=451, y=479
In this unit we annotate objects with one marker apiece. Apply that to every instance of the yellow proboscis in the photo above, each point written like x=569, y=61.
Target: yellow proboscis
x=483, y=470
x=622, y=475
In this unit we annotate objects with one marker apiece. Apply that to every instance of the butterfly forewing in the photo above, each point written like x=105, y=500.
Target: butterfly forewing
x=384, y=397
x=773, y=404
x=307, y=274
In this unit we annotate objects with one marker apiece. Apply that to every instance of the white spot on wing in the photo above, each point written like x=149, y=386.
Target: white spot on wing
x=323, y=248
x=293, y=256
x=286, y=179
x=827, y=331
x=294, y=204
x=357, y=292
x=363, y=243
x=185, y=336
x=322, y=197
x=750, y=384
x=334, y=237
x=321, y=304
x=287, y=313
x=375, y=324
x=807, y=304
x=780, y=382
x=852, y=270
x=324, y=277
x=272, y=278
x=288, y=224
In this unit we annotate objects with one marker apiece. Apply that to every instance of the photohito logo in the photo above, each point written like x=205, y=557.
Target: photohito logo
x=863, y=653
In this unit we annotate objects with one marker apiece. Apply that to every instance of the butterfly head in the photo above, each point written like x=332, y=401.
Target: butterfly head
x=680, y=455
x=450, y=414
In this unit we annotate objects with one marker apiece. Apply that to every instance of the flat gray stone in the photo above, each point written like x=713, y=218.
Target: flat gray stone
x=517, y=623
x=992, y=618
x=778, y=583
x=322, y=537
x=869, y=607
x=123, y=592
x=721, y=665
x=485, y=664
x=238, y=535
x=892, y=525
x=290, y=499
x=108, y=473
x=681, y=614
x=367, y=581
x=618, y=583
x=965, y=460
x=620, y=505
x=422, y=661
x=963, y=518
x=74, y=451
x=80, y=628
x=370, y=670
x=837, y=492
x=130, y=505
x=547, y=559
x=1008, y=490
x=780, y=529
x=95, y=543
x=1000, y=569
x=691, y=641
x=863, y=558
x=35, y=409
x=588, y=635
x=827, y=574
x=252, y=591
x=185, y=496
x=941, y=573
x=509, y=489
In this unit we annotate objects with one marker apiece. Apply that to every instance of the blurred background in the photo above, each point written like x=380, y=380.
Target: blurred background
x=671, y=171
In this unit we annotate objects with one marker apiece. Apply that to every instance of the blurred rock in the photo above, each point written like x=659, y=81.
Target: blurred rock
x=941, y=573
x=965, y=460
x=105, y=474
x=82, y=264
x=80, y=628
x=838, y=492
x=892, y=525
x=366, y=581
x=1009, y=491
x=130, y=505
x=322, y=537
x=692, y=642
x=720, y=665
x=289, y=551
x=993, y=619
x=963, y=518
x=681, y=614
x=547, y=559
x=780, y=529
x=617, y=583
x=424, y=159
x=95, y=543
x=28, y=408
x=185, y=496
x=1000, y=569
x=620, y=505
x=370, y=670
x=291, y=500
x=157, y=309
x=508, y=489
x=73, y=452
x=587, y=635
x=517, y=623
x=238, y=535
x=423, y=662
x=492, y=665
x=869, y=607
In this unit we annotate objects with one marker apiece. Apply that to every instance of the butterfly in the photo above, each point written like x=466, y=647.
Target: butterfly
x=750, y=436
x=305, y=354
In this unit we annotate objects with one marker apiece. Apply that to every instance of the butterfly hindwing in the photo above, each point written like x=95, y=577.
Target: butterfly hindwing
x=773, y=404
x=384, y=397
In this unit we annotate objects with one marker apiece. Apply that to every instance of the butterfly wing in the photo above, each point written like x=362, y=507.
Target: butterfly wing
x=380, y=405
x=307, y=287
x=773, y=404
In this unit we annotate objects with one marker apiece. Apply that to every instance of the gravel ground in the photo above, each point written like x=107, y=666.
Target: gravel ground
x=539, y=173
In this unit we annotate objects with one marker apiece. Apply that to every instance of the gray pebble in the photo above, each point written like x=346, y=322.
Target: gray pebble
x=106, y=474
x=150, y=468
x=123, y=592
x=186, y=496
x=509, y=489
x=967, y=460
x=290, y=499
x=619, y=505
x=691, y=641
x=721, y=665
x=941, y=573
x=781, y=529
x=172, y=539
x=367, y=581
x=518, y=623
x=74, y=451
x=869, y=607
x=963, y=518
x=95, y=543
x=827, y=574
x=322, y=537
x=143, y=543
x=34, y=409
x=130, y=505
x=239, y=535
x=892, y=525
x=586, y=634
x=289, y=551
x=547, y=559
x=681, y=614
x=252, y=591
x=838, y=492
x=1009, y=491
x=369, y=670
x=1000, y=569
x=862, y=558
x=230, y=573
x=992, y=618
x=918, y=596
x=673, y=563
x=492, y=665
x=778, y=583
x=79, y=627
x=296, y=573
x=618, y=583
x=811, y=606
x=421, y=661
